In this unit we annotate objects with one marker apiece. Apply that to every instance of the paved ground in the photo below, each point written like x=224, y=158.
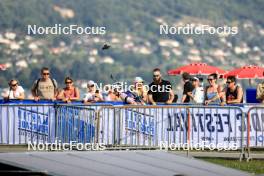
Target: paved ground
x=134, y=163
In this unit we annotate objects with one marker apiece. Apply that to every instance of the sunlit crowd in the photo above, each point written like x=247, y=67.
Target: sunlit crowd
x=159, y=91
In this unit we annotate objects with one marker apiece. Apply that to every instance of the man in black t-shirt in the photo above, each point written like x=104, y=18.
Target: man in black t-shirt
x=187, y=88
x=160, y=90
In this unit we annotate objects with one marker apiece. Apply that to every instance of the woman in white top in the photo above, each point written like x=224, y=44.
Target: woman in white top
x=15, y=91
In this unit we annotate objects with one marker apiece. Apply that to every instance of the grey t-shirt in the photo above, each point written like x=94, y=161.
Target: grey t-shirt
x=45, y=89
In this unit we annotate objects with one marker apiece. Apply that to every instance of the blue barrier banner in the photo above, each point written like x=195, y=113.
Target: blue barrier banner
x=22, y=124
x=45, y=122
x=75, y=124
x=209, y=126
x=30, y=121
x=217, y=126
x=256, y=130
x=142, y=126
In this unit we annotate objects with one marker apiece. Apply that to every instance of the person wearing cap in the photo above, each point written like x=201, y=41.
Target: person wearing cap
x=92, y=95
x=197, y=95
x=140, y=90
x=187, y=88
x=160, y=90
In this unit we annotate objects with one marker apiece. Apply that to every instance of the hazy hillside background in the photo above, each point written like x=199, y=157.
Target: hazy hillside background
x=132, y=30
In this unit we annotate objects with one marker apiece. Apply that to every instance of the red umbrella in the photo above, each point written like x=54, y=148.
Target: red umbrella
x=197, y=69
x=2, y=67
x=246, y=72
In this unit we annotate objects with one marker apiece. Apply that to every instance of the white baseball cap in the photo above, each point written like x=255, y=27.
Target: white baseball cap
x=138, y=79
x=195, y=79
x=90, y=83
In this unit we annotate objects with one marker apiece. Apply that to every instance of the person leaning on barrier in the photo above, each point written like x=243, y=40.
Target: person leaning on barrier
x=187, y=88
x=213, y=92
x=233, y=92
x=69, y=93
x=108, y=93
x=160, y=90
x=126, y=96
x=45, y=87
x=197, y=95
x=93, y=94
x=15, y=91
x=260, y=92
x=139, y=90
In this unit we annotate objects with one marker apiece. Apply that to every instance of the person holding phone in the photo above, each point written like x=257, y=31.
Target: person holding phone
x=93, y=94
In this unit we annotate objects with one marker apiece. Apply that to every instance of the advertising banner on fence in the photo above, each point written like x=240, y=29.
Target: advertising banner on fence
x=218, y=127
x=256, y=130
x=209, y=126
x=40, y=124
x=22, y=124
x=131, y=126
x=75, y=124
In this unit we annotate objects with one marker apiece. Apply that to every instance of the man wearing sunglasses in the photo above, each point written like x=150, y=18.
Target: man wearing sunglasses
x=45, y=87
x=160, y=90
x=233, y=92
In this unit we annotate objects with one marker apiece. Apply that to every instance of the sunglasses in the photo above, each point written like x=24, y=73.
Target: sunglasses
x=45, y=73
x=210, y=79
x=91, y=85
x=156, y=76
x=69, y=82
x=13, y=85
x=228, y=82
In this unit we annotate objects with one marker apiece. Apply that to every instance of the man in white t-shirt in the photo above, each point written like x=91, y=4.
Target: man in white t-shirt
x=15, y=91
x=197, y=95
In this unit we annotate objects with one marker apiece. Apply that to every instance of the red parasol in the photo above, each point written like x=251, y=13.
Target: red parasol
x=197, y=69
x=247, y=72
x=2, y=67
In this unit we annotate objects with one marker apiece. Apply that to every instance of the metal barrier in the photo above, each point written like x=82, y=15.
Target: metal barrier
x=219, y=127
x=75, y=123
x=166, y=126
x=172, y=126
x=22, y=123
x=133, y=126
x=47, y=123
x=255, y=128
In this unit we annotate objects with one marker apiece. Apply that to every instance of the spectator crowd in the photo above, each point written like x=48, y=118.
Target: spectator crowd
x=159, y=91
